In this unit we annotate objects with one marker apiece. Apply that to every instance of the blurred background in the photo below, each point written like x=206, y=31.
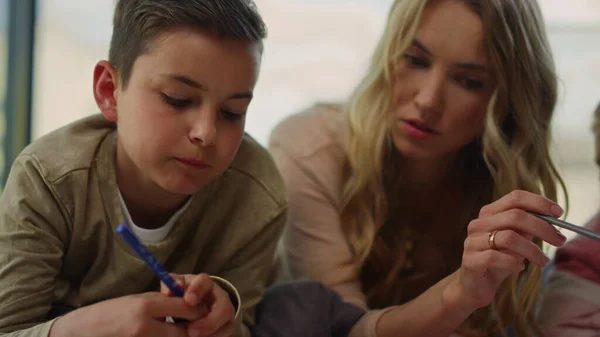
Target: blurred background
x=316, y=50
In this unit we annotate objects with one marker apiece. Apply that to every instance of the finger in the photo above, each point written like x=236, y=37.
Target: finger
x=178, y=279
x=521, y=246
x=225, y=331
x=221, y=313
x=523, y=200
x=521, y=221
x=198, y=286
x=158, y=306
x=474, y=244
x=524, y=234
x=159, y=329
x=510, y=242
x=202, y=311
x=482, y=262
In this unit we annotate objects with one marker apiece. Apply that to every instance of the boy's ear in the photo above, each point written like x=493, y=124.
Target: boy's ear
x=105, y=89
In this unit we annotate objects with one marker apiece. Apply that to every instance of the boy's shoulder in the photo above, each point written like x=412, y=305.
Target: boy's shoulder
x=255, y=162
x=69, y=148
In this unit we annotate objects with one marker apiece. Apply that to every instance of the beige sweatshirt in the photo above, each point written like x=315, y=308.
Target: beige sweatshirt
x=58, y=212
x=308, y=150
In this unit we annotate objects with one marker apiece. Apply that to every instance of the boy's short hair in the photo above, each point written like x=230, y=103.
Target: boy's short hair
x=137, y=23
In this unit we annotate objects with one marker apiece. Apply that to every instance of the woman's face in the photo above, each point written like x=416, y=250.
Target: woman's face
x=442, y=84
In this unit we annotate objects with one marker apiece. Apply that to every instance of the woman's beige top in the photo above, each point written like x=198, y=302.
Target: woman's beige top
x=308, y=150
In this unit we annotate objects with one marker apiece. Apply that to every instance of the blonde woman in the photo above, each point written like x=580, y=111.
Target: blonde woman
x=412, y=196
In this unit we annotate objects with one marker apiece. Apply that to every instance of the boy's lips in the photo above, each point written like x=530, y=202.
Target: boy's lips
x=191, y=162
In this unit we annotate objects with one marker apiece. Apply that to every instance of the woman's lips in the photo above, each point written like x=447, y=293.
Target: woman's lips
x=417, y=129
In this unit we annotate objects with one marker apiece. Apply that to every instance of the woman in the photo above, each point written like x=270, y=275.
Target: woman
x=444, y=145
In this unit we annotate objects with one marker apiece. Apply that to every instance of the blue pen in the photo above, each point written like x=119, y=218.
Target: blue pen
x=149, y=259
x=152, y=263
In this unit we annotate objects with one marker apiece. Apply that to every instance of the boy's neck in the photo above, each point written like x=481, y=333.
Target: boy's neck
x=149, y=205
x=148, y=219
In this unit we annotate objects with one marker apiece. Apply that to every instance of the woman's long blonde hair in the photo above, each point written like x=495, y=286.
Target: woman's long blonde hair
x=513, y=151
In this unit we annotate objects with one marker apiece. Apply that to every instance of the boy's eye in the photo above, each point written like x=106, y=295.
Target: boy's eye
x=176, y=102
x=416, y=62
x=230, y=115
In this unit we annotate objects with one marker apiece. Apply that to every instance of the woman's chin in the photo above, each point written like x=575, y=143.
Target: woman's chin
x=411, y=150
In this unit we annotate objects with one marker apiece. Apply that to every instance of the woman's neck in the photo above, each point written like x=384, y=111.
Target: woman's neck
x=421, y=177
x=429, y=193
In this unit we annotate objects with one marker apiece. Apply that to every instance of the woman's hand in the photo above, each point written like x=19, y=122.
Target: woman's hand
x=499, y=242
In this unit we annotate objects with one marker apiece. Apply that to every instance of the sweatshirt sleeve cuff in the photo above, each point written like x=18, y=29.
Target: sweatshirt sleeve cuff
x=234, y=295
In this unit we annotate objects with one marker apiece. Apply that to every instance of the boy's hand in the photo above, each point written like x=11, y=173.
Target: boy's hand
x=202, y=292
x=140, y=315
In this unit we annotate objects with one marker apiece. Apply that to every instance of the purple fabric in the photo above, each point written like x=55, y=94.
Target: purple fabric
x=304, y=309
x=581, y=256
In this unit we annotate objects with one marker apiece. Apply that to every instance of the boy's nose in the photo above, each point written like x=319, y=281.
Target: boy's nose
x=204, y=130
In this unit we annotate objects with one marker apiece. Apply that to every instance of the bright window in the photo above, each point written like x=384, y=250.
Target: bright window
x=316, y=51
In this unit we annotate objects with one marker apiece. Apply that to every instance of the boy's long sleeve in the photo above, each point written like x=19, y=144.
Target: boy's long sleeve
x=32, y=235
x=249, y=272
x=59, y=251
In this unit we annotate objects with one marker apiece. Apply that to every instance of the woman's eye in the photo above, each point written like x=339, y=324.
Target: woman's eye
x=471, y=84
x=417, y=62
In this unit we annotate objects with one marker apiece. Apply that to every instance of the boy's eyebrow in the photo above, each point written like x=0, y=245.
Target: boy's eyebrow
x=190, y=82
x=468, y=65
x=187, y=81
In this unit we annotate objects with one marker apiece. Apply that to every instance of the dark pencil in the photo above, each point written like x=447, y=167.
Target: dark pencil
x=568, y=226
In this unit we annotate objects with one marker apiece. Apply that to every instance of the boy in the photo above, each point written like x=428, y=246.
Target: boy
x=169, y=158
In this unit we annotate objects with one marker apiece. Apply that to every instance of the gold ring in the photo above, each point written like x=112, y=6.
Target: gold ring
x=491, y=240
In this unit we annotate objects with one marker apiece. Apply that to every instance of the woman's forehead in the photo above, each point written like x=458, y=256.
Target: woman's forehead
x=450, y=29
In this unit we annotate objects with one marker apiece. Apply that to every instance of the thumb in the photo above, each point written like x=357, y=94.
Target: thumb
x=180, y=280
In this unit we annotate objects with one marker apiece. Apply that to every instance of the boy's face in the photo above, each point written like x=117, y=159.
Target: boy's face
x=181, y=117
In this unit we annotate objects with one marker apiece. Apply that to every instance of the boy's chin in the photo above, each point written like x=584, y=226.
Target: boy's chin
x=183, y=187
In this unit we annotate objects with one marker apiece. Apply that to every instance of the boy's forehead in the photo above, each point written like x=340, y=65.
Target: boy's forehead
x=184, y=41
x=201, y=58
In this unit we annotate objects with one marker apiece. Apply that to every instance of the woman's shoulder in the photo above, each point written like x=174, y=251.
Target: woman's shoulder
x=308, y=148
x=318, y=128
